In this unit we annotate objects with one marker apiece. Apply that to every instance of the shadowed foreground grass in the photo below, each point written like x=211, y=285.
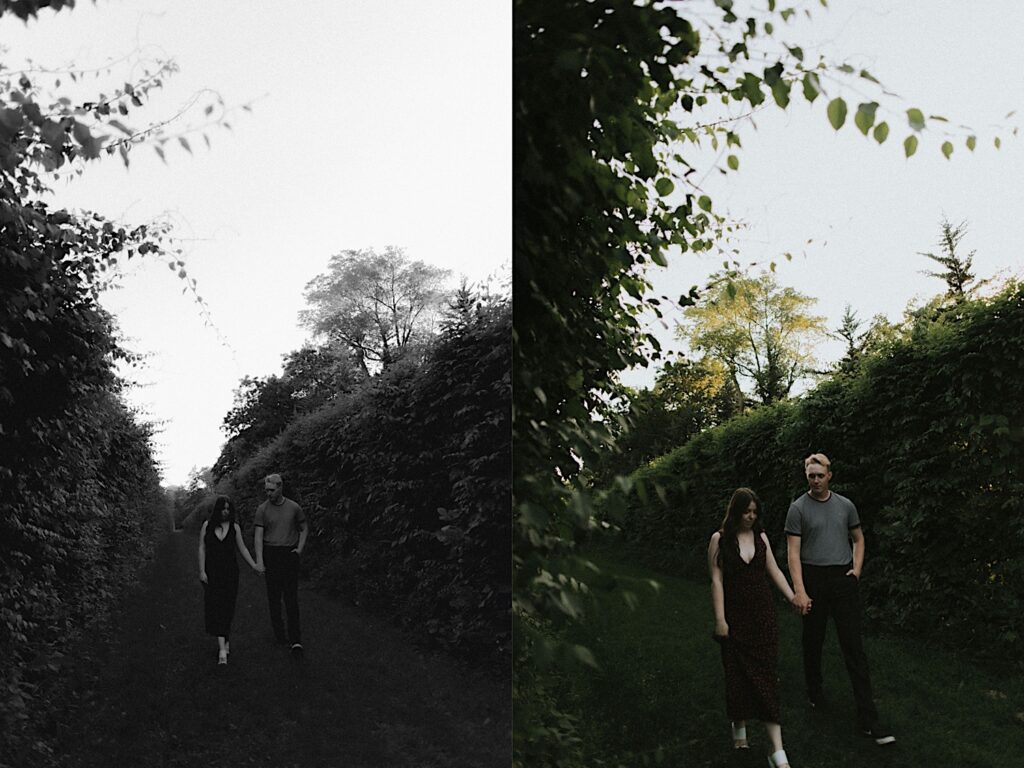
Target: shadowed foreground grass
x=658, y=697
x=146, y=690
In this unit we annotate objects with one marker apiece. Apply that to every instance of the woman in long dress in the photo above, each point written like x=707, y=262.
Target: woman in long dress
x=742, y=569
x=219, y=537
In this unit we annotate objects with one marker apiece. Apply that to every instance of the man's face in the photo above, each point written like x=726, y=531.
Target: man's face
x=817, y=479
x=273, y=490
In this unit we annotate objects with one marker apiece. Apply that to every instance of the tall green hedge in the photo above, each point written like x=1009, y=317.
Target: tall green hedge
x=406, y=484
x=78, y=490
x=927, y=438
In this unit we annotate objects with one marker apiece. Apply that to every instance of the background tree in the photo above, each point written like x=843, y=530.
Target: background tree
x=956, y=272
x=458, y=311
x=381, y=306
x=763, y=333
x=687, y=397
x=318, y=374
x=264, y=407
x=850, y=333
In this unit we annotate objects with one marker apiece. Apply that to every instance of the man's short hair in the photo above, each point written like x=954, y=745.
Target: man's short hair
x=274, y=478
x=817, y=458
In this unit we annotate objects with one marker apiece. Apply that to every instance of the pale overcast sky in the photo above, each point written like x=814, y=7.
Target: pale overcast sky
x=868, y=210
x=373, y=123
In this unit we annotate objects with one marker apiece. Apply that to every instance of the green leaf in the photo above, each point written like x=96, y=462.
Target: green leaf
x=837, y=112
x=916, y=118
x=751, y=87
x=812, y=86
x=733, y=162
x=704, y=202
x=780, y=92
x=769, y=28
x=865, y=116
x=971, y=142
x=584, y=655
x=881, y=132
x=947, y=149
x=868, y=76
x=665, y=186
x=773, y=74
x=798, y=53
x=910, y=145
x=998, y=142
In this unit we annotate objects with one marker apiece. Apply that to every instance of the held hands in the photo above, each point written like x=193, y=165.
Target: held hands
x=202, y=577
x=854, y=572
x=259, y=568
x=801, y=602
x=721, y=629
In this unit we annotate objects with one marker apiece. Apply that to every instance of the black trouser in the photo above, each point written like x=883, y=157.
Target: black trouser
x=837, y=595
x=282, y=577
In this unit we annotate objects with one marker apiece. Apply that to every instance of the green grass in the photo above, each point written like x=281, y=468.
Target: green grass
x=659, y=693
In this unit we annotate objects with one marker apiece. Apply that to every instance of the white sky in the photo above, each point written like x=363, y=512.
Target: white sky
x=869, y=210
x=374, y=123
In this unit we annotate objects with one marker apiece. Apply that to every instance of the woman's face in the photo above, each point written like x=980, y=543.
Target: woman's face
x=749, y=517
x=225, y=513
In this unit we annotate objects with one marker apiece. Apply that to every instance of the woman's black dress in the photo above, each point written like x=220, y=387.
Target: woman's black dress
x=750, y=654
x=221, y=590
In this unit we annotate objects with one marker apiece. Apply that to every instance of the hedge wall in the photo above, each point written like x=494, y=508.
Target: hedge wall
x=927, y=438
x=79, y=492
x=406, y=485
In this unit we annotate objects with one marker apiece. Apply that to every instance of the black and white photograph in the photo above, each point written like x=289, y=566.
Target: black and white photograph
x=255, y=383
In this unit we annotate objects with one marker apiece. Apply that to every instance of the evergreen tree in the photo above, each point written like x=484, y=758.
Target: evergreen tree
x=957, y=269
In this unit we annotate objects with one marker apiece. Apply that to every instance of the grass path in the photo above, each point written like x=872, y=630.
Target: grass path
x=659, y=694
x=146, y=691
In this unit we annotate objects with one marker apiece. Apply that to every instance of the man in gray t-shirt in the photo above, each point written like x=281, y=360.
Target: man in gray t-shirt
x=825, y=548
x=280, y=535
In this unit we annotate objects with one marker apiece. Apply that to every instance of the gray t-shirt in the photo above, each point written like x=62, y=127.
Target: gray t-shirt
x=824, y=528
x=280, y=522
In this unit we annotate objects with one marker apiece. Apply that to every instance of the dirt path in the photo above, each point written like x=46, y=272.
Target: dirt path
x=148, y=692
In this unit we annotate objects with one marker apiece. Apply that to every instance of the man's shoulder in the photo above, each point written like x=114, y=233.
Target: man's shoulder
x=798, y=503
x=843, y=500
x=291, y=503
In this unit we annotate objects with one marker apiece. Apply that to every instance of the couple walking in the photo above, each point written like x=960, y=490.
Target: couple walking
x=280, y=535
x=825, y=569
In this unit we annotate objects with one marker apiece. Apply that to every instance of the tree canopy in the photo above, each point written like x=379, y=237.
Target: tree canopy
x=381, y=306
x=763, y=332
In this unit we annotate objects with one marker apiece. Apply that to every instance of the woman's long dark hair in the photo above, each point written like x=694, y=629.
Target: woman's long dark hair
x=217, y=515
x=728, y=544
